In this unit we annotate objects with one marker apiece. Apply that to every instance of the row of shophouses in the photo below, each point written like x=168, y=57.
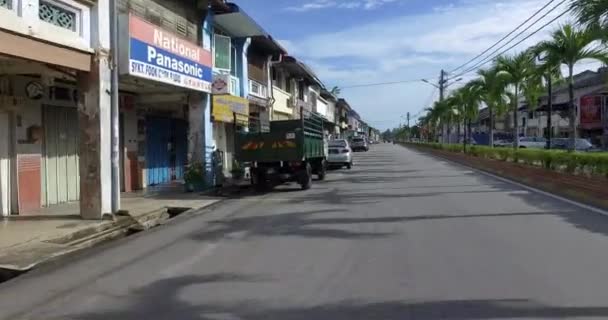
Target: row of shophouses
x=187, y=70
x=590, y=100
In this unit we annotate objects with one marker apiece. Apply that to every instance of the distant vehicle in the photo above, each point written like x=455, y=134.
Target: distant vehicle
x=340, y=154
x=471, y=141
x=503, y=143
x=293, y=150
x=532, y=142
x=582, y=145
x=359, y=144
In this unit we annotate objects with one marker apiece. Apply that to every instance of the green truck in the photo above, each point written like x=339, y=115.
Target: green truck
x=291, y=150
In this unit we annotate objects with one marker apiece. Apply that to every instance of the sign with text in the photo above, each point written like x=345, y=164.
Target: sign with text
x=225, y=106
x=158, y=55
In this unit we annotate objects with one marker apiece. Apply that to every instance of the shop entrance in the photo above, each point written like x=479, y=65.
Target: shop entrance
x=166, y=149
x=61, y=177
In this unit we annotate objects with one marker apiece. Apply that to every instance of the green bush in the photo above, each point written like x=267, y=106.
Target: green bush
x=557, y=160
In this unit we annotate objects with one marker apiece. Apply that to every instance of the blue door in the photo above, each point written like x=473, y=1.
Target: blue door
x=158, y=142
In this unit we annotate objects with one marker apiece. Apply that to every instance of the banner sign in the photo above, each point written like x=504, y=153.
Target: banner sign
x=158, y=55
x=591, y=112
x=225, y=105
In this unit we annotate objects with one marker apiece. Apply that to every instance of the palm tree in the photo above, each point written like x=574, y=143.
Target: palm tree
x=335, y=91
x=568, y=46
x=591, y=14
x=470, y=110
x=456, y=101
x=438, y=114
x=519, y=67
x=490, y=86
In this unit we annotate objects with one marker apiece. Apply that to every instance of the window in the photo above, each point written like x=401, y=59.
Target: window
x=288, y=85
x=222, y=54
x=301, y=88
x=59, y=15
x=6, y=4
x=234, y=64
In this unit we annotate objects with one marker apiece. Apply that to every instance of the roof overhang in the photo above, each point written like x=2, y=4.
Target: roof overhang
x=299, y=69
x=238, y=23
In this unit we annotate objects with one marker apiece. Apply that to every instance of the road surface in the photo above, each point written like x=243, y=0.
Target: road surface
x=401, y=236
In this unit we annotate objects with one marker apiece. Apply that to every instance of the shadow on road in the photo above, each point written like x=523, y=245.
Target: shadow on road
x=294, y=224
x=160, y=300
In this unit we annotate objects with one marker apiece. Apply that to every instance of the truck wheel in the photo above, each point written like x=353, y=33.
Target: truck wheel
x=322, y=171
x=306, y=179
x=260, y=182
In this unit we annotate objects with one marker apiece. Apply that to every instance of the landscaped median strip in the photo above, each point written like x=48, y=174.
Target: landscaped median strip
x=582, y=177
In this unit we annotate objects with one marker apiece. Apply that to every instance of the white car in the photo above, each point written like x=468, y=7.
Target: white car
x=532, y=142
x=340, y=154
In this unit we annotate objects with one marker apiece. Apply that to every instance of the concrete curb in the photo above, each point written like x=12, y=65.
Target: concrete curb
x=523, y=184
x=23, y=258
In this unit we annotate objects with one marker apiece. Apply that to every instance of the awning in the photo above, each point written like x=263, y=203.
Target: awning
x=27, y=48
x=238, y=23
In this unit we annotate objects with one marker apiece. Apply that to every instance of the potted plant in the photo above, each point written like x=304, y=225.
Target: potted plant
x=194, y=177
x=237, y=170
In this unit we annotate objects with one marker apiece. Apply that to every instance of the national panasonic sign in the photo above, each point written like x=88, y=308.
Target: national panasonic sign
x=158, y=55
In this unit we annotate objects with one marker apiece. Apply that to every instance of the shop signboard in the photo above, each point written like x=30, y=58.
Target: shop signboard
x=224, y=107
x=591, y=112
x=156, y=54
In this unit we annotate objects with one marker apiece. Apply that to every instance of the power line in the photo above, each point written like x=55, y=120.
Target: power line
x=488, y=59
x=505, y=37
x=380, y=83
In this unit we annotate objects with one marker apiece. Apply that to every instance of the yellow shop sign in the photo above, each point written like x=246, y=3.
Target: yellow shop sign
x=225, y=105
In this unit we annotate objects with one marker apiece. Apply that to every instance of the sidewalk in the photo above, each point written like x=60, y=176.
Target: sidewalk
x=28, y=240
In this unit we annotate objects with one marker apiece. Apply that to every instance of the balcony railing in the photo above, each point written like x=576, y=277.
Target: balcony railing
x=257, y=89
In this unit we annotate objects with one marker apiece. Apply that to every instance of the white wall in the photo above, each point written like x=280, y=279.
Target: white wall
x=321, y=106
x=23, y=19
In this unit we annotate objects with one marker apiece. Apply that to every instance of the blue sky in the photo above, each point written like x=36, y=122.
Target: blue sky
x=352, y=42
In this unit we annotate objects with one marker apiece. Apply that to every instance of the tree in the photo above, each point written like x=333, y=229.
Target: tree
x=567, y=46
x=470, y=111
x=335, y=91
x=519, y=67
x=592, y=14
x=490, y=87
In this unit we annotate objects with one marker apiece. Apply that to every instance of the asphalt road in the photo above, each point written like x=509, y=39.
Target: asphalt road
x=401, y=236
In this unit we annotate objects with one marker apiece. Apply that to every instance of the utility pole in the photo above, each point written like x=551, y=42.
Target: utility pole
x=442, y=82
x=549, y=111
x=409, y=130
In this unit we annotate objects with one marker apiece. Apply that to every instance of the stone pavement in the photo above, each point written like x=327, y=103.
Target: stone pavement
x=28, y=240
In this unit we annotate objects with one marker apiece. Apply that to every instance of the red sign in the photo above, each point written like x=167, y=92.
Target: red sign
x=591, y=112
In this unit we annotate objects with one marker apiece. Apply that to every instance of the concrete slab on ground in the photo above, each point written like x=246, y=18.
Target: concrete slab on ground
x=28, y=240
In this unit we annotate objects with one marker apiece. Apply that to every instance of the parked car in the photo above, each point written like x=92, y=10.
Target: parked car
x=340, y=154
x=532, y=142
x=359, y=144
x=582, y=145
x=503, y=143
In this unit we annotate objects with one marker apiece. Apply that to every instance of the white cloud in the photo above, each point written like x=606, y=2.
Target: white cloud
x=410, y=47
x=352, y=4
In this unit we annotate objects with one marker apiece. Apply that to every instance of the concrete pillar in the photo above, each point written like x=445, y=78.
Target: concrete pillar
x=200, y=136
x=196, y=126
x=94, y=121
